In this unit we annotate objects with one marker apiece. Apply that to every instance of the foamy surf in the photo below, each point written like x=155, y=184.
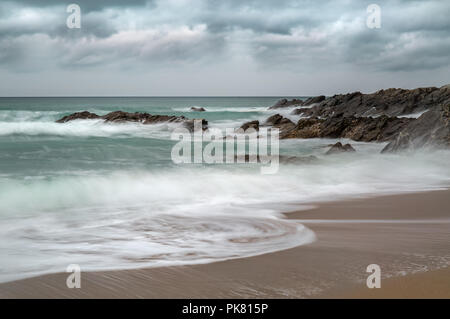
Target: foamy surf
x=108, y=196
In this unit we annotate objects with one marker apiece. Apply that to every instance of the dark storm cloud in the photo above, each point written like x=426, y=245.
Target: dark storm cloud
x=290, y=36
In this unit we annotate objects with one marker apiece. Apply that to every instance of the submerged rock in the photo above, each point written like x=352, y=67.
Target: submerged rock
x=339, y=148
x=298, y=159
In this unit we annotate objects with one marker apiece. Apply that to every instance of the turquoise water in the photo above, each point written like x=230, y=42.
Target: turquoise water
x=32, y=144
x=108, y=196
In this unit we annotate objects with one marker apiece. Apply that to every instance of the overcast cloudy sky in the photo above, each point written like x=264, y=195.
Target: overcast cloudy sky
x=221, y=47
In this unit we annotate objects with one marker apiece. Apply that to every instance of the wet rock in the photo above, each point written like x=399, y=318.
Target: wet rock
x=377, y=117
x=286, y=103
x=280, y=122
x=365, y=129
x=197, y=109
x=305, y=128
x=253, y=124
x=145, y=118
x=339, y=148
x=123, y=117
x=390, y=102
x=78, y=116
x=298, y=111
x=296, y=102
x=314, y=100
x=431, y=129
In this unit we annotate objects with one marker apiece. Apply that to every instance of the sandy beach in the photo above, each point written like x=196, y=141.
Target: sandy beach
x=408, y=236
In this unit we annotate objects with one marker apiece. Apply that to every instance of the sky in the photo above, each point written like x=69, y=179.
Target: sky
x=221, y=47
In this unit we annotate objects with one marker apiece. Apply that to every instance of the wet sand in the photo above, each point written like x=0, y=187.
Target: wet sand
x=408, y=236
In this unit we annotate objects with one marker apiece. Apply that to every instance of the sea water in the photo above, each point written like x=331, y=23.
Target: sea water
x=108, y=196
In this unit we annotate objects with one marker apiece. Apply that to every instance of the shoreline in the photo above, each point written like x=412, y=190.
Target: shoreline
x=408, y=235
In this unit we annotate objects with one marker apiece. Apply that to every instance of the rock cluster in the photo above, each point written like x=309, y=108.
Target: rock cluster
x=296, y=102
x=122, y=117
x=377, y=117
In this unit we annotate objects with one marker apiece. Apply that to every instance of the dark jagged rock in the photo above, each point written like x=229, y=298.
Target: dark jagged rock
x=365, y=129
x=78, y=116
x=339, y=148
x=430, y=129
x=274, y=119
x=296, y=102
x=197, y=109
x=390, y=102
x=314, y=100
x=375, y=117
x=298, y=111
x=122, y=117
x=144, y=118
x=305, y=128
x=253, y=124
x=280, y=122
x=286, y=103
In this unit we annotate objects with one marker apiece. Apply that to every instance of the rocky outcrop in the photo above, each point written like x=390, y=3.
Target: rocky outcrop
x=390, y=102
x=253, y=124
x=286, y=103
x=144, y=118
x=296, y=102
x=314, y=100
x=367, y=129
x=382, y=116
x=197, y=109
x=339, y=148
x=122, y=117
x=78, y=116
x=430, y=129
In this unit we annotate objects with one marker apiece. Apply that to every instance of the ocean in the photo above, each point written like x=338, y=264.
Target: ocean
x=108, y=196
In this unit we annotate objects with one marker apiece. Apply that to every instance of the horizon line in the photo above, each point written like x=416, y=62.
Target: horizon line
x=151, y=96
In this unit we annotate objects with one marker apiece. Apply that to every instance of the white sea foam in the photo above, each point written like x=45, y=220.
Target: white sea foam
x=414, y=115
x=85, y=128
x=223, y=109
x=109, y=219
x=186, y=214
x=28, y=116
